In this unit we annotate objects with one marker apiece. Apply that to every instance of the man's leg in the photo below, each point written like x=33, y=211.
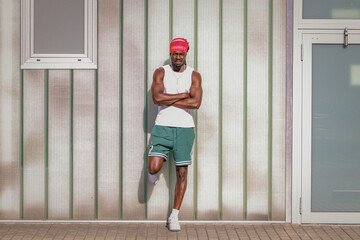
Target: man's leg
x=180, y=188
x=154, y=166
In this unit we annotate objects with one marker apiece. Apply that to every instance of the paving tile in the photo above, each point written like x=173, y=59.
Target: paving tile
x=152, y=231
x=260, y=231
x=241, y=232
x=356, y=229
x=333, y=235
x=271, y=232
x=231, y=232
x=289, y=231
x=201, y=232
x=211, y=231
x=191, y=232
x=350, y=232
x=301, y=232
x=321, y=233
x=251, y=232
x=341, y=233
x=309, y=229
x=182, y=235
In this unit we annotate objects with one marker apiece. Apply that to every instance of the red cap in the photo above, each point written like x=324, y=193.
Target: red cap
x=179, y=44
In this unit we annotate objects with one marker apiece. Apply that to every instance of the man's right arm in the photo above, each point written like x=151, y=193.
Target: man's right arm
x=157, y=90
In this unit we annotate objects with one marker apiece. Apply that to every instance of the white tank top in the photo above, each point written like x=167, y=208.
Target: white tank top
x=174, y=83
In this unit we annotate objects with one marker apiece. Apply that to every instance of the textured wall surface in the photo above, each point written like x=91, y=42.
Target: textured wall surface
x=73, y=143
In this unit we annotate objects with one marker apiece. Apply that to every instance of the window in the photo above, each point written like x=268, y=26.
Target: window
x=58, y=34
x=331, y=9
x=326, y=14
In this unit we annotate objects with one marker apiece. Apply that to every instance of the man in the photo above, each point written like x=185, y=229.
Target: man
x=176, y=88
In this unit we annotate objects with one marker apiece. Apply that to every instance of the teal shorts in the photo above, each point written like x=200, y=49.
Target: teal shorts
x=179, y=140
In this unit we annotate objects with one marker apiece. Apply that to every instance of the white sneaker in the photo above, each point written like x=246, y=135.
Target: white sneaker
x=173, y=224
x=154, y=179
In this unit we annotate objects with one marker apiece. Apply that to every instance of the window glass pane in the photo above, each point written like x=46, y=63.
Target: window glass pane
x=59, y=26
x=331, y=9
x=335, y=128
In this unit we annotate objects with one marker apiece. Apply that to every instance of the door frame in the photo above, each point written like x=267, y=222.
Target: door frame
x=307, y=215
x=301, y=28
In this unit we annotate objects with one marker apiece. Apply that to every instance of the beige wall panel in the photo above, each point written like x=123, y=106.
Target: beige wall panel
x=279, y=101
x=158, y=54
x=208, y=115
x=34, y=144
x=84, y=144
x=9, y=109
x=183, y=26
x=109, y=108
x=257, y=132
x=232, y=110
x=59, y=144
x=134, y=149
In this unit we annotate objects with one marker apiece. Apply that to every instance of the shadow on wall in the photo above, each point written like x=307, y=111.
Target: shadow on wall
x=150, y=112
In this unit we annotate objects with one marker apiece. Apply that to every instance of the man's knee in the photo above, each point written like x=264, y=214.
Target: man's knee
x=155, y=164
x=181, y=173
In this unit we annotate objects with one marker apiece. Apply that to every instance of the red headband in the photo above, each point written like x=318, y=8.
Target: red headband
x=179, y=44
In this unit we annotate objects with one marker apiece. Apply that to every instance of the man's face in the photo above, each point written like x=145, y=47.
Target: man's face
x=178, y=58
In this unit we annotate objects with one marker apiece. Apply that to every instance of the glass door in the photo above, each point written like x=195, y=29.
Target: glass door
x=331, y=129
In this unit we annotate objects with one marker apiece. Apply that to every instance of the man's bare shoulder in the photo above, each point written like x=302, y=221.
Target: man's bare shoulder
x=159, y=72
x=196, y=75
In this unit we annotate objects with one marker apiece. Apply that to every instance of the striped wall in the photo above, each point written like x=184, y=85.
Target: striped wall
x=73, y=143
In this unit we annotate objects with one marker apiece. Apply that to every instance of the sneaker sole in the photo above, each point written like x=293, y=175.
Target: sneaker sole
x=172, y=230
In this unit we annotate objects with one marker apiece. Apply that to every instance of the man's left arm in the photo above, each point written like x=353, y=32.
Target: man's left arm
x=194, y=101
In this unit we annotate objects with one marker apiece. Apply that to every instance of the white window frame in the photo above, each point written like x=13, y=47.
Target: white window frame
x=30, y=60
x=319, y=24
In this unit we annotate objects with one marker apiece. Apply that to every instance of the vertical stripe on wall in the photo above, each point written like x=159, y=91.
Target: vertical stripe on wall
x=71, y=163
x=34, y=144
x=195, y=160
x=121, y=100
x=159, y=196
x=208, y=114
x=172, y=175
x=270, y=115
x=257, y=111
x=245, y=114
x=232, y=110
x=289, y=108
x=96, y=150
x=10, y=111
x=145, y=120
x=220, y=104
x=22, y=145
x=183, y=26
x=46, y=114
x=84, y=144
x=134, y=156
x=59, y=153
x=279, y=111
x=109, y=131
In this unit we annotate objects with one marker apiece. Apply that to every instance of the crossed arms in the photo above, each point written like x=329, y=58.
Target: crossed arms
x=190, y=100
